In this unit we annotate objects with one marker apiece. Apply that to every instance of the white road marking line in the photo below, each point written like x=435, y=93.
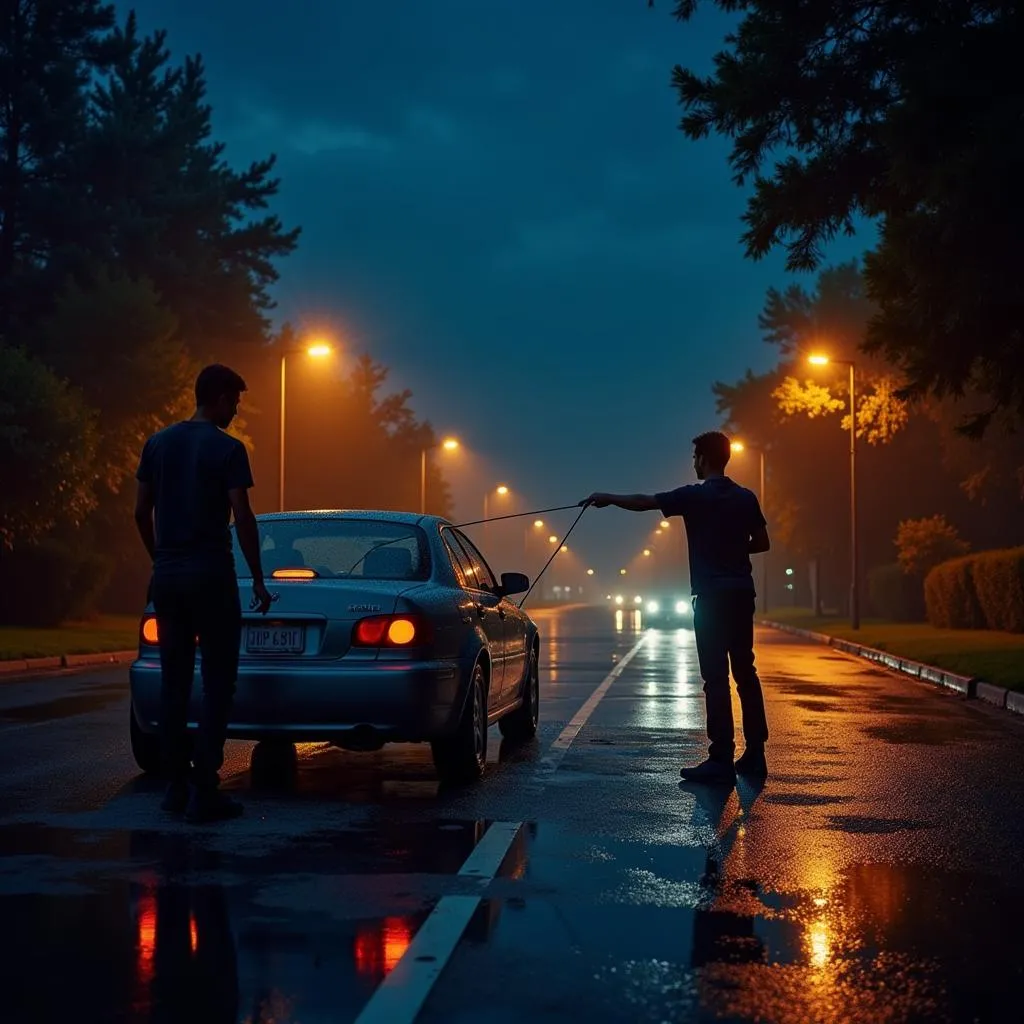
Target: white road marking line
x=558, y=749
x=401, y=995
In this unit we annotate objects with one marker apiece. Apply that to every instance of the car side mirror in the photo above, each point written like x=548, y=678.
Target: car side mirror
x=514, y=583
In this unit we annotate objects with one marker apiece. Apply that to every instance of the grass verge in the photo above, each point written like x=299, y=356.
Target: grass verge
x=107, y=633
x=986, y=654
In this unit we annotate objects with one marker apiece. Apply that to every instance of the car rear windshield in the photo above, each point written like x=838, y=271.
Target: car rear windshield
x=353, y=548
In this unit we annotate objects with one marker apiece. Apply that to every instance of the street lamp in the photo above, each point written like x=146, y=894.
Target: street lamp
x=316, y=350
x=739, y=446
x=538, y=524
x=449, y=444
x=823, y=360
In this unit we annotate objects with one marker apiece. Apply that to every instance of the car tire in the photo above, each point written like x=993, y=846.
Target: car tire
x=461, y=758
x=145, y=745
x=521, y=725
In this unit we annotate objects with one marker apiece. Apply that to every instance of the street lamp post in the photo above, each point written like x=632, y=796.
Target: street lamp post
x=449, y=444
x=501, y=490
x=317, y=351
x=739, y=446
x=820, y=360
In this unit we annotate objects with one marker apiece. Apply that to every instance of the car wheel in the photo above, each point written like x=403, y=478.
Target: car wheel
x=521, y=725
x=145, y=745
x=461, y=758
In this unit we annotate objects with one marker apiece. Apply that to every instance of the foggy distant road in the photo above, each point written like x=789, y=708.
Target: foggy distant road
x=875, y=877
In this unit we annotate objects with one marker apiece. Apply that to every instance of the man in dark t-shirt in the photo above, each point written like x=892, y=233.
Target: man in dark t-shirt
x=724, y=527
x=192, y=476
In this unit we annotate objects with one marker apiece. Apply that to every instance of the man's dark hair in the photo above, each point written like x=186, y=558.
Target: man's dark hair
x=714, y=447
x=215, y=381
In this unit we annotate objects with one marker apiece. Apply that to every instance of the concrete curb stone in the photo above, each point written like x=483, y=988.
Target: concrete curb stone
x=964, y=685
x=26, y=666
x=990, y=694
x=1015, y=702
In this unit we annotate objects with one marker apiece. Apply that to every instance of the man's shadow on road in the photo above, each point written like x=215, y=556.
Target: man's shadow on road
x=723, y=935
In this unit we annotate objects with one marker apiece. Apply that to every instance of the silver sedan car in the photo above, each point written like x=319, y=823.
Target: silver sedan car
x=387, y=627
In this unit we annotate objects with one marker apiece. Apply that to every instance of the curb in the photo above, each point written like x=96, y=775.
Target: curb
x=966, y=686
x=23, y=666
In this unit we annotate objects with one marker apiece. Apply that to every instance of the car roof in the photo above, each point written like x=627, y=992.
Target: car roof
x=387, y=515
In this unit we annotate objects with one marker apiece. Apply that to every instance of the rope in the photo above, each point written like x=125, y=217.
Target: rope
x=517, y=515
x=537, y=512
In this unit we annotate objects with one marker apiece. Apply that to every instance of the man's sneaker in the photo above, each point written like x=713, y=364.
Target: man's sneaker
x=209, y=805
x=175, y=797
x=753, y=764
x=710, y=771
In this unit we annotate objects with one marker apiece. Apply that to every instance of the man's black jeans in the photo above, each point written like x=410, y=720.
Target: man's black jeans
x=190, y=608
x=723, y=622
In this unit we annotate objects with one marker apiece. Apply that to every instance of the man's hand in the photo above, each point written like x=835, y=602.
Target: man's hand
x=598, y=499
x=262, y=599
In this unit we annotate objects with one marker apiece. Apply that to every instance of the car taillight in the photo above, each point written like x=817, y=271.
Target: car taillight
x=391, y=631
x=149, y=632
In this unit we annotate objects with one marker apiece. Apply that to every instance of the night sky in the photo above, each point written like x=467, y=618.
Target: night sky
x=496, y=203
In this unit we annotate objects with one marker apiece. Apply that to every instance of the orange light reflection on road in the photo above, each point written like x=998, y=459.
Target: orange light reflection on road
x=193, y=932
x=146, y=938
x=379, y=947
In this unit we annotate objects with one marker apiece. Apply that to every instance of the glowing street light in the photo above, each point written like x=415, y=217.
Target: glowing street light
x=449, y=444
x=539, y=523
x=563, y=549
x=647, y=552
x=664, y=524
x=315, y=350
x=590, y=572
x=552, y=539
x=823, y=360
x=622, y=572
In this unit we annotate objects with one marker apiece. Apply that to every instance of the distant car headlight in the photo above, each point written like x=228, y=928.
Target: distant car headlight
x=682, y=607
x=653, y=607
x=618, y=599
x=638, y=599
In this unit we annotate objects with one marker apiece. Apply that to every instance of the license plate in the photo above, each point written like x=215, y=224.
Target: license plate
x=275, y=639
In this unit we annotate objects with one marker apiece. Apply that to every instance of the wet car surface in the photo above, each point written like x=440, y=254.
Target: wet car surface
x=874, y=877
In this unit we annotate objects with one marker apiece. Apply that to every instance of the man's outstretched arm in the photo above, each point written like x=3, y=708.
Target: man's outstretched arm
x=630, y=502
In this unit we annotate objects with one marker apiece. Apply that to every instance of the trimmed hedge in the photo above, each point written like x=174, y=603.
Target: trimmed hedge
x=981, y=591
x=999, y=584
x=895, y=595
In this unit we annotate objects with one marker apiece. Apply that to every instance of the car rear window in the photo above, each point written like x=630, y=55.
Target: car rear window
x=357, y=548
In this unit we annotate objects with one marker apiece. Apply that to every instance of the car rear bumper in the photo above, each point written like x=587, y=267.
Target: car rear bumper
x=356, y=704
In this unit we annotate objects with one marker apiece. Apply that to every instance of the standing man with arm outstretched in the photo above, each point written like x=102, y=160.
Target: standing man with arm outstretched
x=724, y=527
x=192, y=477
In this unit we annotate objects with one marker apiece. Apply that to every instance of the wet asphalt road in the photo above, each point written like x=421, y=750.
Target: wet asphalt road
x=875, y=877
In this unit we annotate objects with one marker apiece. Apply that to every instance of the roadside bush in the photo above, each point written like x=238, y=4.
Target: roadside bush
x=950, y=598
x=922, y=544
x=894, y=595
x=51, y=582
x=999, y=584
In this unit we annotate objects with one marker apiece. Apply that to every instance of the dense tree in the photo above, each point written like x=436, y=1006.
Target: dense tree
x=168, y=206
x=47, y=450
x=905, y=112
